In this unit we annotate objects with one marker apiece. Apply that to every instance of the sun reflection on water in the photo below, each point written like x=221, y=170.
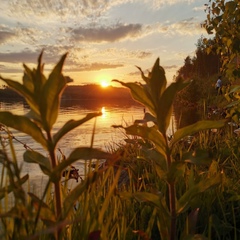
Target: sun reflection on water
x=103, y=112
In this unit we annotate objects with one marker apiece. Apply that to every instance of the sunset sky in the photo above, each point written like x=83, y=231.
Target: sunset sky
x=105, y=39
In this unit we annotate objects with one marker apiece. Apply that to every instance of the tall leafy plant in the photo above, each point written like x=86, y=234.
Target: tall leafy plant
x=43, y=96
x=158, y=99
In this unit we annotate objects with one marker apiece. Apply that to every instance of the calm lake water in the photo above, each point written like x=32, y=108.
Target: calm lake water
x=106, y=137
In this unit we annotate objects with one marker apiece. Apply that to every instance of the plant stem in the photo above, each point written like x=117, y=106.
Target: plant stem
x=172, y=196
x=57, y=194
x=58, y=199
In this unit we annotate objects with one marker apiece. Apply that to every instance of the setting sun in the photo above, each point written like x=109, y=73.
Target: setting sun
x=104, y=83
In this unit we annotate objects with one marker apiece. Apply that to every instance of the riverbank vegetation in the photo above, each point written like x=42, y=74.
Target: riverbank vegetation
x=155, y=186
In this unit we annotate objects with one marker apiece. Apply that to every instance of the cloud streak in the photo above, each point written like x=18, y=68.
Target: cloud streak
x=6, y=35
x=98, y=35
x=96, y=66
x=107, y=34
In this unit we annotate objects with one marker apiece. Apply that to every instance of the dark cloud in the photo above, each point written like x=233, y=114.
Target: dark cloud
x=143, y=54
x=107, y=34
x=10, y=70
x=27, y=56
x=187, y=26
x=19, y=57
x=97, y=66
x=138, y=73
x=5, y=36
x=170, y=67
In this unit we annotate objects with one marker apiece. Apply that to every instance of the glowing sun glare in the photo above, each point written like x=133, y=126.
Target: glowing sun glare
x=104, y=84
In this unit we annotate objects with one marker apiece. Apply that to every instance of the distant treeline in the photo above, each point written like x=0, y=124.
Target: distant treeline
x=95, y=92
x=86, y=92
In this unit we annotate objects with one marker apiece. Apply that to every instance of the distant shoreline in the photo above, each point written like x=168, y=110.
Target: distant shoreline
x=77, y=92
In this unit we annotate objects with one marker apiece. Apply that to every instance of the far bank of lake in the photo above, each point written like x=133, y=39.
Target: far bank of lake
x=87, y=92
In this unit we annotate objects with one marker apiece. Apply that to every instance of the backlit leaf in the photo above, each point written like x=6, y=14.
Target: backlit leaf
x=140, y=94
x=177, y=169
x=165, y=104
x=157, y=81
x=196, y=127
x=38, y=80
x=149, y=133
x=35, y=157
x=25, y=125
x=152, y=198
x=23, y=91
x=10, y=188
x=205, y=184
x=146, y=79
x=27, y=79
x=45, y=213
x=83, y=153
x=156, y=201
x=51, y=94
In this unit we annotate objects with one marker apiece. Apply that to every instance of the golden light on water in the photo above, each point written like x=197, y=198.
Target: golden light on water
x=103, y=112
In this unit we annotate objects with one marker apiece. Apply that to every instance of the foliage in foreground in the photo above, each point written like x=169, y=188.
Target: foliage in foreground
x=172, y=184
x=43, y=97
x=158, y=99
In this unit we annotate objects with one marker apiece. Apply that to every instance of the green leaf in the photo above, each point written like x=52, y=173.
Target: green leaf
x=11, y=187
x=140, y=93
x=161, y=172
x=191, y=226
x=146, y=79
x=35, y=117
x=25, y=125
x=74, y=195
x=159, y=161
x=154, y=199
x=38, y=80
x=71, y=124
x=149, y=133
x=83, y=153
x=51, y=93
x=165, y=104
x=27, y=79
x=23, y=91
x=46, y=214
x=196, y=127
x=157, y=81
x=163, y=212
x=35, y=157
x=149, y=118
x=206, y=184
x=234, y=88
x=177, y=169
